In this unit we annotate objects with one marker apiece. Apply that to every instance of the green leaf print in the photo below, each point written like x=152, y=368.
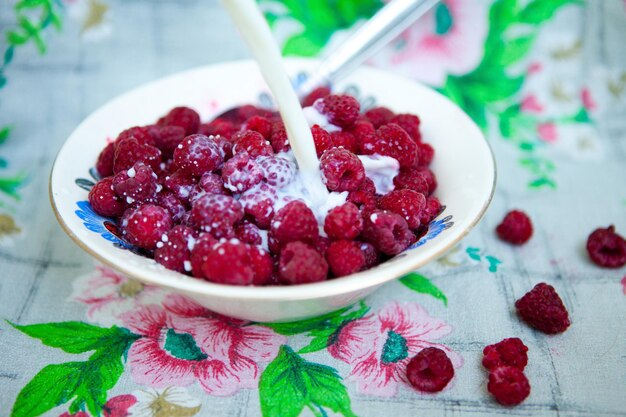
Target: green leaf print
x=539, y=11
x=423, y=285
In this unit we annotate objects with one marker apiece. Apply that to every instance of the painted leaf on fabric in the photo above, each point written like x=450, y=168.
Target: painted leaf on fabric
x=423, y=285
x=4, y=134
x=289, y=384
x=539, y=11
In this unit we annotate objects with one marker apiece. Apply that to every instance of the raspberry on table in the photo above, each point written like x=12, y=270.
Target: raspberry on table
x=104, y=164
x=387, y=231
x=259, y=124
x=144, y=226
x=508, y=385
x=173, y=250
x=241, y=172
x=197, y=154
x=200, y=249
x=516, y=228
x=301, y=264
x=235, y=263
x=607, y=248
x=343, y=222
x=341, y=110
x=507, y=352
x=379, y=116
x=341, y=170
x=294, y=222
x=345, y=257
x=430, y=370
x=391, y=140
x=167, y=138
x=277, y=171
x=138, y=183
x=407, y=203
x=410, y=123
x=173, y=205
x=181, y=184
x=103, y=199
x=311, y=98
x=253, y=143
x=543, y=309
x=216, y=214
x=130, y=151
x=258, y=203
x=321, y=139
x=184, y=117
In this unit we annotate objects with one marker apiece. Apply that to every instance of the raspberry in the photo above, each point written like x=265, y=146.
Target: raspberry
x=301, y=264
x=344, y=257
x=388, y=232
x=508, y=385
x=372, y=257
x=294, y=222
x=515, y=228
x=144, y=226
x=140, y=133
x=341, y=170
x=104, y=164
x=209, y=183
x=543, y=309
x=410, y=123
x=173, y=205
x=200, y=249
x=425, y=153
x=430, y=370
x=321, y=245
x=240, y=173
x=278, y=139
x=248, y=232
x=431, y=211
x=412, y=180
x=343, y=222
x=184, y=117
x=607, y=248
x=138, y=183
x=341, y=110
x=343, y=139
x=365, y=201
x=391, y=140
x=379, y=116
x=216, y=214
x=508, y=352
x=129, y=151
x=167, y=138
x=173, y=250
x=407, y=203
x=258, y=203
x=253, y=143
x=219, y=127
x=321, y=139
x=368, y=186
x=181, y=184
x=259, y=124
x=197, y=154
x=277, y=171
x=362, y=130
x=225, y=146
x=319, y=92
x=236, y=263
x=240, y=114
x=104, y=201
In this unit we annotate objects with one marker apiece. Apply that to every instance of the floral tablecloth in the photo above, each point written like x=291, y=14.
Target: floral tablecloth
x=545, y=79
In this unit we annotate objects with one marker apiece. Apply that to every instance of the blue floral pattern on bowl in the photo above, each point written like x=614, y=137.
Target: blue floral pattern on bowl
x=99, y=224
x=434, y=229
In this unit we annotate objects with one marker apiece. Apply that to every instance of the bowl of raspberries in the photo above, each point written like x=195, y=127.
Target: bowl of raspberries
x=189, y=183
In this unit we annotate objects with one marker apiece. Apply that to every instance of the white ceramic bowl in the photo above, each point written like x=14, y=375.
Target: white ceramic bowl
x=464, y=166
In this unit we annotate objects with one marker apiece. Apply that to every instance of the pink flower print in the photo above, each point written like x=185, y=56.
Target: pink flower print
x=534, y=67
x=547, y=132
x=115, y=407
x=530, y=104
x=378, y=347
x=184, y=343
x=623, y=282
x=587, y=99
x=447, y=40
x=110, y=294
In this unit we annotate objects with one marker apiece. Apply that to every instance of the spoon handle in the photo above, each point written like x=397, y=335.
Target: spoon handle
x=377, y=32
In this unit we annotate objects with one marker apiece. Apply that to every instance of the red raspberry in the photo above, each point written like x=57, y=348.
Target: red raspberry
x=216, y=214
x=431, y=211
x=167, y=138
x=341, y=170
x=508, y=352
x=344, y=139
x=104, y=164
x=197, y=154
x=278, y=139
x=410, y=123
x=366, y=202
x=341, y=110
x=209, y=183
x=173, y=205
x=249, y=233
x=240, y=114
x=388, y=232
x=277, y=171
x=344, y=257
x=200, y=249
x=515, y=228
x=253, y=143
x=368, y=186
x=140, y=133
x=144, y=226
x=258, y=203
x=343, y=222
x=129, y=151
x=508, y=385
x=321, y=139
x=138, y=183
x=241, y=172
x=104, y=201
x=425, y=153
x=391, y=140
x=407, y=203
x=362, y=130
x=235, y=263
x=371, y=254
x=219, y=127
x=301, y=264
x=430, y=370
x=543, y=309
x=319, y=92
x=294, y=222
x=225, y=146
x=607, y=248
x=379, y=116
x=259, y=124
x=184, y=117
x=173, y=250
x=321, y=245
x=181, y=184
